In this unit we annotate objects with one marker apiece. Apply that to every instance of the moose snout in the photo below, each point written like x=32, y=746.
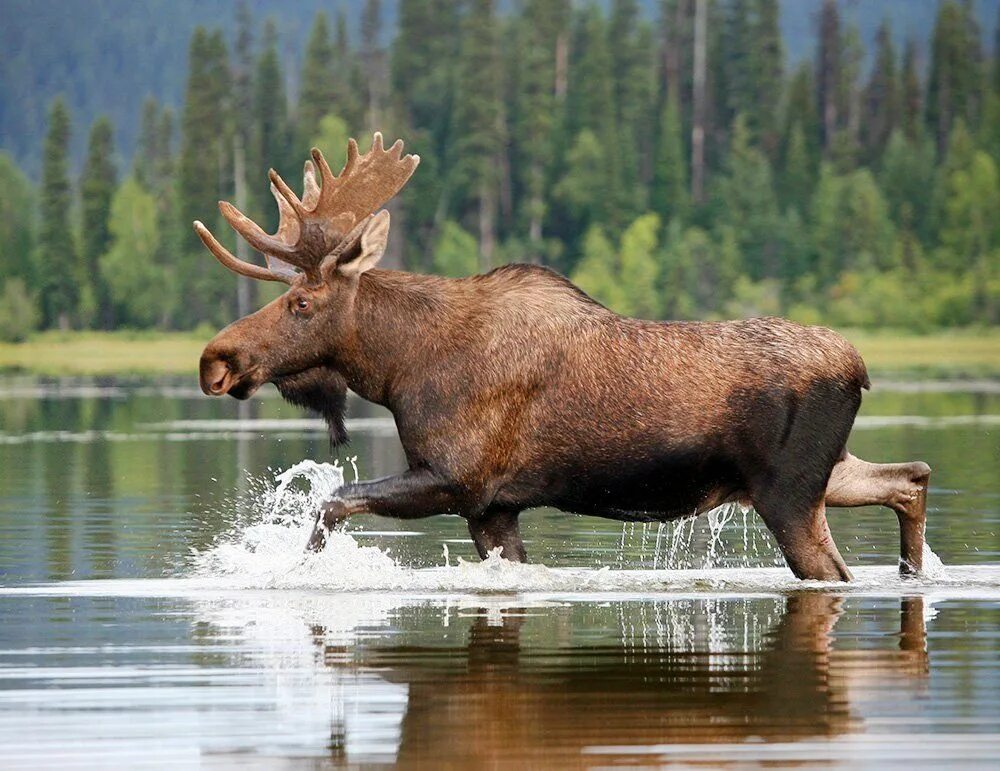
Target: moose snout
x=216, y=375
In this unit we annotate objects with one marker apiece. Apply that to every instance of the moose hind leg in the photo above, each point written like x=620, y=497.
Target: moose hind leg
x=901, y=487
x=803, y=535
x=498, y=528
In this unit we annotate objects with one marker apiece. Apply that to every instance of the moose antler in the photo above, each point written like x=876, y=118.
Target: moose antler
x=327, y=222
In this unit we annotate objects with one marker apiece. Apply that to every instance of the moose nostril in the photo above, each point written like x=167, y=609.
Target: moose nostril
x=216, y=376
x=220, y=383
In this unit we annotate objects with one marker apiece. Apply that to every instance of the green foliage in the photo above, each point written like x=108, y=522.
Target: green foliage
x=559, y=133
x=97, y=186
x=19, y=314
x=55, y=256
x=455, y=253
x=638, y=272
x=17, y=221
x=138, y=285
x=597, y=273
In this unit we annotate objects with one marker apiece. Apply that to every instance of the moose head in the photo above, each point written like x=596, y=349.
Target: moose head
x=325, y=241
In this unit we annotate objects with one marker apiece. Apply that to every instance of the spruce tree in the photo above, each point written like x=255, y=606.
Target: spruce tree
x=767, y=59
x=478, y=119
x=56, y=253
x=881, y=98
x=828, y=64
x=317, y=87
x=204, y=177
x=97, y=186
x=953, y=87
x=272, y=132
x=537, y=110
x=628, y=69
x=17, y=222
x=669, y=196
x=909, y=90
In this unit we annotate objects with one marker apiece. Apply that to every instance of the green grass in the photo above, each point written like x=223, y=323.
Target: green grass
x=946, y=354
x=105, y=353
x=954, y=353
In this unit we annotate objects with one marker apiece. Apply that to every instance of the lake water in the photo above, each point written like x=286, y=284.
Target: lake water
x=156, y=608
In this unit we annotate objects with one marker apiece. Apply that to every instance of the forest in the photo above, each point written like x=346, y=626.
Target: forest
x=675, y=167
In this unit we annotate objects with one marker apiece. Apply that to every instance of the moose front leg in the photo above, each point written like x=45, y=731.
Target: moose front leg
x=411, y=495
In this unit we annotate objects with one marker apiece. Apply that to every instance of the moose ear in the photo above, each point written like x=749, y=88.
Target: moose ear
x=373, y=241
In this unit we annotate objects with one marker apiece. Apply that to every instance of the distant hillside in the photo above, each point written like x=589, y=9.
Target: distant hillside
x=106, y=56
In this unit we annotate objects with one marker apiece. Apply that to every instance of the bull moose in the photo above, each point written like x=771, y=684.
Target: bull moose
x=514, y=389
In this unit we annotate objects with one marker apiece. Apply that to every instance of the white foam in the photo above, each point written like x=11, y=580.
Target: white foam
x=265, y=549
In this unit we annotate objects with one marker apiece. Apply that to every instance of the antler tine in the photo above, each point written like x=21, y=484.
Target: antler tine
x=367, y=181
x=235, y=264
x=287, y=192
x=326, y=173
x=256, y=237
x=310, y=188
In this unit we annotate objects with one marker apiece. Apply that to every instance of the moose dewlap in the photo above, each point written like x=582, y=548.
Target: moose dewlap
x=514, y=389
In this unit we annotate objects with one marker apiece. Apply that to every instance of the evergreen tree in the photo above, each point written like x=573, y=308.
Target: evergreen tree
x=748, y=204
x=56, y=252
x=881, y=108
x=798, y=174
x=479, y=120
x=17, y=222
x=97, y=186
x=909, y=91
x=669, y=195
x=204, y=177
x=801, y=111
x=828, y=78
x=767, y=60
x=628, y=72
x=953, y=88
x=270, y=120
x=537, y=110
x=597, y=272
x=588, y=99
x=906, y=176
x=317, y=86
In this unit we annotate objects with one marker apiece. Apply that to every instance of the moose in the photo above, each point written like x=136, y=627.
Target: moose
x=514, y=389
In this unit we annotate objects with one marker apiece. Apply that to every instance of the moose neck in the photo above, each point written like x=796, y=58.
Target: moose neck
x=394, y=312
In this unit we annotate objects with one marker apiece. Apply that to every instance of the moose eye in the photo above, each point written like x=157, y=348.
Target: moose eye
x=302, y=304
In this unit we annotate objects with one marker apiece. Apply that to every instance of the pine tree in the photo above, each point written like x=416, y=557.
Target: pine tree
x=270, y=119
x=953, y=88
x=478, y=119
x=801, y=111
x=628, y=69
x=204, y=176
x=669, y=195
x=97, y=186
x=909, y=91
x=798, y=173
x=767, y=64
x=828, y=78
x=537, y=110
x=56, y=253
x=17, y=222
x=881, y=98
x=318, y=86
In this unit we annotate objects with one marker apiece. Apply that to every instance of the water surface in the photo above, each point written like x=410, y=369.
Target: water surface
x=156, y=609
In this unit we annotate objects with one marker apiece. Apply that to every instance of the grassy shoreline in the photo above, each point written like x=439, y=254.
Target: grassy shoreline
x=955, y=353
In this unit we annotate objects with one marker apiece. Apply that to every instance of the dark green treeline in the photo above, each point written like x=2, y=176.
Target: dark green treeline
x=675, y=168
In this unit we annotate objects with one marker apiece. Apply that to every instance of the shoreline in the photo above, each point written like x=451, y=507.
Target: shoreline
x=960, y=353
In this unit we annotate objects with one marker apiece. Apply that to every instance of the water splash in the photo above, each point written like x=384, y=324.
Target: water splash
x=265, y=549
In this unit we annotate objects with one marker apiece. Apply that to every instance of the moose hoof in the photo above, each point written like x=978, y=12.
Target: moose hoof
x=333, y=514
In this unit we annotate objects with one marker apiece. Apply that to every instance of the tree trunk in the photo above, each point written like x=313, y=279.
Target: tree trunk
x=698, y=118
x=487, y=236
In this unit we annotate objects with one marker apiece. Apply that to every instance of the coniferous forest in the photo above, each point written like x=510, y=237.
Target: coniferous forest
x=674, y=167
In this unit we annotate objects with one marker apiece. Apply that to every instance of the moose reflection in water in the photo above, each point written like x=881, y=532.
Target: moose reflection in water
x=658, y=680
